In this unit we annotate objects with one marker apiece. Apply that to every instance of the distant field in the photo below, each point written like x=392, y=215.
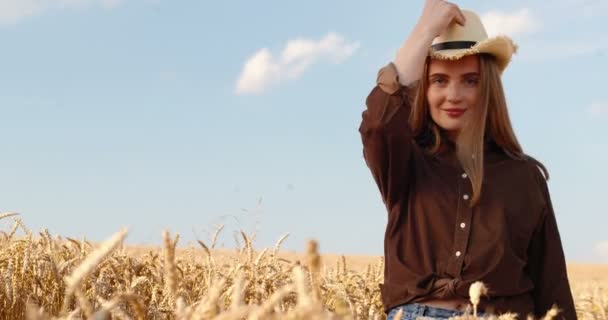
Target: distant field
x=582, y=275
x=577, y=272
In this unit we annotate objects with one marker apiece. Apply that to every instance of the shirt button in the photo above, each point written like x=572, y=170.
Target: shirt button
x=458, y=253
x=464, y=175
x=465, y=197
x=462, y=225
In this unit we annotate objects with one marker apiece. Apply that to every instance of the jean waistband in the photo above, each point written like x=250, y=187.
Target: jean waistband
x=420, y=310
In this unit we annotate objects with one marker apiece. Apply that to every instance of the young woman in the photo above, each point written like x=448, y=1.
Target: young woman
x=464, y=202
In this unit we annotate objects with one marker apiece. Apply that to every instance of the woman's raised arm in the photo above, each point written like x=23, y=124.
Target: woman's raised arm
x=386, y=136
x=385, y=131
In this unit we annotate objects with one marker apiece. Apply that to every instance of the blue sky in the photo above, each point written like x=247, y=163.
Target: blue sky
x=186, y=115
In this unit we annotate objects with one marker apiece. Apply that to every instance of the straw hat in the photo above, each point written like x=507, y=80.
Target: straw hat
x=458, y=41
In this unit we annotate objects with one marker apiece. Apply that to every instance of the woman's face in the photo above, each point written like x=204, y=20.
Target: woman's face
x=453, y=84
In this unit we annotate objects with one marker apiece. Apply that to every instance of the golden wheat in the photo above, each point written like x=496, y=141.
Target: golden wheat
x=54, y=278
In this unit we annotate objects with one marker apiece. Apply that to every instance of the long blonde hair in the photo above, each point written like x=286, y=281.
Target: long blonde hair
x=490, y=120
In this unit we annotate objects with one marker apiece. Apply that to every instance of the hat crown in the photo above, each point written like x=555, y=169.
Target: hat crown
x=473, y=30
x=458, y=41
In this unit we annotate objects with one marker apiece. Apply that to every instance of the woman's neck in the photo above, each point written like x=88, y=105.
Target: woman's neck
x=452, y=135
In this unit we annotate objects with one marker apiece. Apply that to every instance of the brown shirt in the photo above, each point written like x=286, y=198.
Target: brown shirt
x=435, y=245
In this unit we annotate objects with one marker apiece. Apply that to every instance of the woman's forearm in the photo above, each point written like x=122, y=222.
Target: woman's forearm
x=409, y=60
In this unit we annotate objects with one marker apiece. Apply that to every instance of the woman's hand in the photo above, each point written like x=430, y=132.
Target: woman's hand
x=437, y=15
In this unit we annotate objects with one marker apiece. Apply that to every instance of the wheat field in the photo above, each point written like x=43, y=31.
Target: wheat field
x=51, y=277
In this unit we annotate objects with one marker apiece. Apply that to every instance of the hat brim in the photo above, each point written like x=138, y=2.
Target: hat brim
x=501, y=47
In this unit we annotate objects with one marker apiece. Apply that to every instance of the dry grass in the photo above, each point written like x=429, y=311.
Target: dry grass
x=45, y=277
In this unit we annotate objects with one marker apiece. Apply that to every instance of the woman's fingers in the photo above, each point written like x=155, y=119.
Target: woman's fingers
x=437, y=15
x=458, y=16
x=463, y=19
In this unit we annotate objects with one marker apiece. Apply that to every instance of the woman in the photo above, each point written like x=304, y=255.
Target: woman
x=464, y=202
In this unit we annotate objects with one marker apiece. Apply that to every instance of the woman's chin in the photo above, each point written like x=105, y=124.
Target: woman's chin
x=450, y=125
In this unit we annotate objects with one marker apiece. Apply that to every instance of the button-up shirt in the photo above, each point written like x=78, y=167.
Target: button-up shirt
x=436, y=245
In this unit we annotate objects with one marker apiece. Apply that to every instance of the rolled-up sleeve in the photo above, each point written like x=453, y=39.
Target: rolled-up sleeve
x=386, y=135
x=547, y=266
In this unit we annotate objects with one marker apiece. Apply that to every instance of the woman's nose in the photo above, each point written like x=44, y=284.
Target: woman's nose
x=454, y=93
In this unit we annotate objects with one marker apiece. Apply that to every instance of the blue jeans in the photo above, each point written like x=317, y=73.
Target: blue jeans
x=411, y=311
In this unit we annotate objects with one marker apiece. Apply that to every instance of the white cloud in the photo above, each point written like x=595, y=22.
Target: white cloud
x=259, y=72
x=510, y=24
x=263, y=70
x=13, y=11
x=598, y=109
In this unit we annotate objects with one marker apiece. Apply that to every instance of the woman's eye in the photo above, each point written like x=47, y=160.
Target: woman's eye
x=471, y=81
x=439, y=81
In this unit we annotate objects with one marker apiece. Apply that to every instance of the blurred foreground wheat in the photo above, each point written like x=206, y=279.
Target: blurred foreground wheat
x=45, y=277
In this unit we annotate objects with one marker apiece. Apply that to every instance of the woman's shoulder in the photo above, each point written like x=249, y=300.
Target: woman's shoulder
x=536, y=168
x=529, y=166
x=522, y=171
x=520, y=180
x=539, y=175
x=524, y=163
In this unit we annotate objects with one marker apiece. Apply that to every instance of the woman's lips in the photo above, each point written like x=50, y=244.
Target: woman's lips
x=455, y=112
